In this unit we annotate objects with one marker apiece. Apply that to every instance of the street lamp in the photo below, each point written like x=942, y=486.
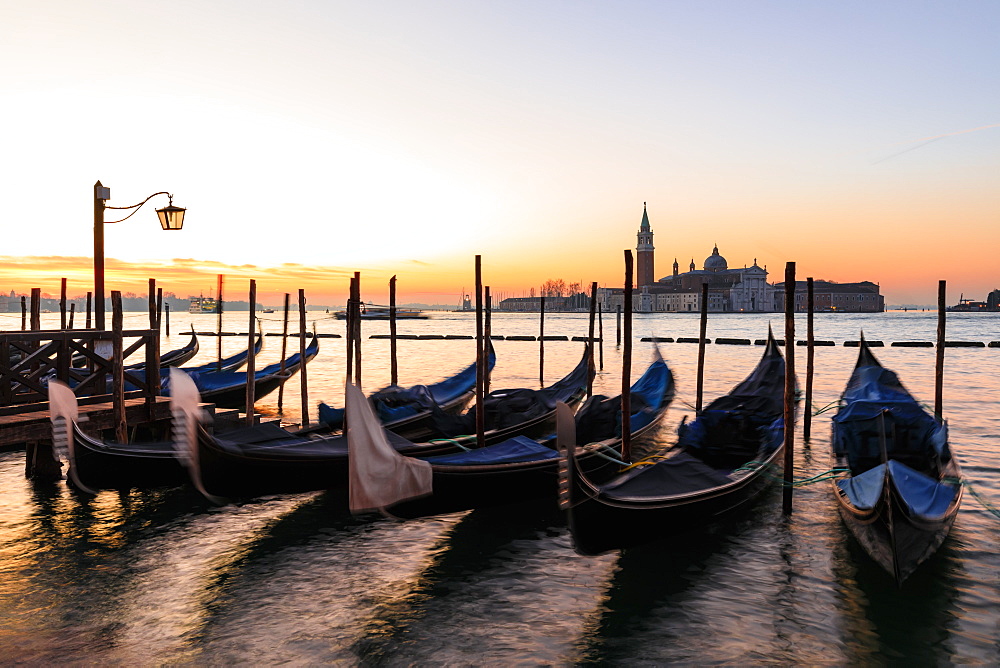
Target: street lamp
x=171, y=218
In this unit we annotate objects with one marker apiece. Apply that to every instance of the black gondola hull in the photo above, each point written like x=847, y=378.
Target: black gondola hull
x=98, y=465
x=600, y=524
x=460, y=488
x=457, y=488
x=896, y=539
x=253, y=472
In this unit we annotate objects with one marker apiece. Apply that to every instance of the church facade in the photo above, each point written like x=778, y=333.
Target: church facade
x=738, y=290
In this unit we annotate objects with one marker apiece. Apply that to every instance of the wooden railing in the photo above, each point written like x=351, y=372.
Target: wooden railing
x=83, y=359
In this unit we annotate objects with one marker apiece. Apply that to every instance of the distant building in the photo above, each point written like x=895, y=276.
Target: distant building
x=829, y=296
x=644, y=252
x=735, y=290
x=10, y=303
x=993, y=301
x=577, y=302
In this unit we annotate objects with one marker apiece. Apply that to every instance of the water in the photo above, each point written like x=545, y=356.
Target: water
x=157, y=576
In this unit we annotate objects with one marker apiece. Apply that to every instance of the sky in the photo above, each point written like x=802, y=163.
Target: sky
x=313, y=139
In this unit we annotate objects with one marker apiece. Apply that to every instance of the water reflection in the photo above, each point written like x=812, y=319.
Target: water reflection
x=883, y=623
x=159, y=576
x=506, y=585
x=70, y=583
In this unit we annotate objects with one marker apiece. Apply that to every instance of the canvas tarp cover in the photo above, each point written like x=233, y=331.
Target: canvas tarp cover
x=680, y=474
x=518, y=449
x=378, y=475
x=880, y=410
x=922, y=495
x=210, y=381
x=734, y=428
x=396, y=403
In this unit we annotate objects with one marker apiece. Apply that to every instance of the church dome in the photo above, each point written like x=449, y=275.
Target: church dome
x=716, y=262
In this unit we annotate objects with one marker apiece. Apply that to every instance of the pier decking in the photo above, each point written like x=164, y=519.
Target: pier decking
x=17, y=429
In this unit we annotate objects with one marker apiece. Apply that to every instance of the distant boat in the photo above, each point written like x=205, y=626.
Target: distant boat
x=203, y=305
x=267, y=310
x=372, y=312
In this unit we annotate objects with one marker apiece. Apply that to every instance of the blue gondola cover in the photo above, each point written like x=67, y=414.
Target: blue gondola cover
x=922, y=495
x=518, y=449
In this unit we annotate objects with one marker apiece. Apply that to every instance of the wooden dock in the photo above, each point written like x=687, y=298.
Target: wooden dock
x=20, y=428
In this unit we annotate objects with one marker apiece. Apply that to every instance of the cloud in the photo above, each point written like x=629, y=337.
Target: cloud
x=924, y=141
x=180, y=275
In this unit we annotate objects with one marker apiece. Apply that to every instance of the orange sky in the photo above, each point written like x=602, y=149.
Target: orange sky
x=906, y=274
x=860, y=140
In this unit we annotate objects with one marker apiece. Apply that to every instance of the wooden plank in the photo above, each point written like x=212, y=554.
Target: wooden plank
x=17, y=429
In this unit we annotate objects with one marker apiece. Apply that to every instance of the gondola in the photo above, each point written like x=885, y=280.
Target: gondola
x=231, y=363
x=409, y=411
x=266, y=459
x=900, y=486
x=180, y=356
x=227, y=389
x=522, y=469
x=99, y=464
x=721, y=462
x=168, y=359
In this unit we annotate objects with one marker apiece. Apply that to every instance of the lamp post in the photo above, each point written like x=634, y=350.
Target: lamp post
x=171, y=218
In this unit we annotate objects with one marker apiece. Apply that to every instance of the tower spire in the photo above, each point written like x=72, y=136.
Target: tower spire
x=644, y=251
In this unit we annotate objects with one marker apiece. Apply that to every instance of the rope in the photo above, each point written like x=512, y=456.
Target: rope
x=829, y=406
x=649, y=460
x=819, y=477
x=453, y=442
x=990, y=508
x=802, y=482
x=610, y=458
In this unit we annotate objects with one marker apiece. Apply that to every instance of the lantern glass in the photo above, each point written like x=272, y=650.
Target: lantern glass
x=171, y=217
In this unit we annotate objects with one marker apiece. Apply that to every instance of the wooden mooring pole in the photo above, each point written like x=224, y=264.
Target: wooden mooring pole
x=36, y=309
x=251, y=398
x=702, y=331
x=72, y=312
x=487, y=339
x=627, y=364
x=159, y=309
x=357, y=328
x=480, y=359
x=284, y=352
x=600, y=332
x=62, y=304
x=810, y=359
x=393, y=367
x=24, y=315
x=789, y=412
x=349, y=331
x=590, y=339
x=939, y=359
x=303, y=377
x=118, y=368
x=154, y=312
x=153, y=349
x=166, y=318
x=218, y=319
x=541, y=340
x=90, y=298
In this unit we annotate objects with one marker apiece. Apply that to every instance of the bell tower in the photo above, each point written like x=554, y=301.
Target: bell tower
x=644, y=252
